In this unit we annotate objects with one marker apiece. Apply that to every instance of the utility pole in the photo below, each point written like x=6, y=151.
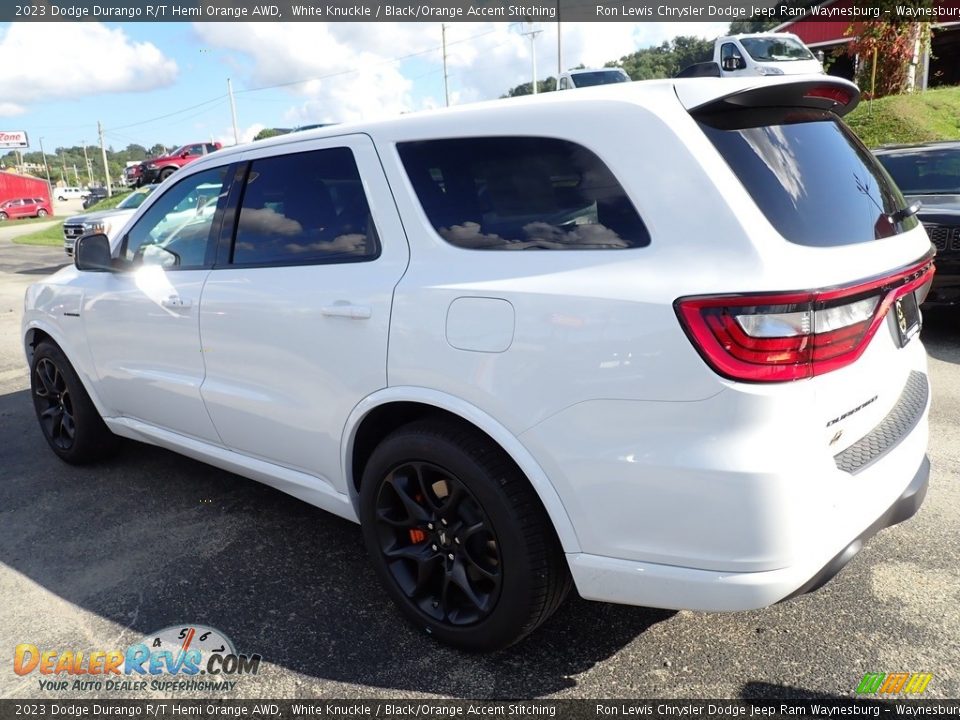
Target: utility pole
x=446, y=79
x=233, y=112
x=45, y=168
x=532, y=34
x=76, y=175
x=103, y=152
x=559, y=47
x=63, y=162
x=86, y=161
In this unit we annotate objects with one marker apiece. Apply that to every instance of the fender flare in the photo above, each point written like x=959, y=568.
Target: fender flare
x=501, y=435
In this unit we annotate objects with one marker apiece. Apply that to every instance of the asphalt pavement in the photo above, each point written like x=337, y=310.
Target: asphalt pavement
x=99, y=557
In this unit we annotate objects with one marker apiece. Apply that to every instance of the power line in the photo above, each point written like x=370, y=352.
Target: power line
x=169, y=115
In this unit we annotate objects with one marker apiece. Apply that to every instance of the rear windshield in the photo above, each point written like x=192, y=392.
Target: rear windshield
x=809, y=174
x=601, y=77
x=925, y=172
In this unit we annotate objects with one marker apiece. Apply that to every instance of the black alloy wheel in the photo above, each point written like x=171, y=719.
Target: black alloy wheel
x=438, y=544
x=54, y=405
x=68, y=418
x=458, y=536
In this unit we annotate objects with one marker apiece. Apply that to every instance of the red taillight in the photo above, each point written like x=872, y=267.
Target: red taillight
x=777, y=337
x=830, y=92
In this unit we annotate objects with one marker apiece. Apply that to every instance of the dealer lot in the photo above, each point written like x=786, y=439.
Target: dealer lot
x=97, y=557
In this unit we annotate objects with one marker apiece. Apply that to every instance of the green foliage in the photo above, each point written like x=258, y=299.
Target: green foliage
x=52, y=235
x=63, y=158
x=667, y=59
x=548, y=85
x=269, y=133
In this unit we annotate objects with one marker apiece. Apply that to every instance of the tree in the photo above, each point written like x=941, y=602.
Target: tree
x=887, y=47
x=268, y=133
x=157, y=150
x=543, y=86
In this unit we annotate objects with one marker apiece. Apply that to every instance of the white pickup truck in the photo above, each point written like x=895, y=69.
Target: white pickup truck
x=755, y=55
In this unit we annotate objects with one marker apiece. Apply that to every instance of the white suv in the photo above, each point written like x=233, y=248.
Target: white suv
x=657, y=340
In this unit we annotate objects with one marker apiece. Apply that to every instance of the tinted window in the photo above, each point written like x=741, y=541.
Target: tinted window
x=303, y=208
x=813, y=179
x=521, y=193
x=925, y=172
x=601, y=77
x=176, y=230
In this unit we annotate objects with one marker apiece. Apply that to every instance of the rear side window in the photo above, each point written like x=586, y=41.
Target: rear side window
x=809, y=174
x=521, y=193
x=304, y=208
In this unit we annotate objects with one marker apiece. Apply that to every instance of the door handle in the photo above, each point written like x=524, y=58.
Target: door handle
x=176, y=302
x=355, y=312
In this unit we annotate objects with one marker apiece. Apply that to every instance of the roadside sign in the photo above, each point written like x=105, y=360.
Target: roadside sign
x=13, y=139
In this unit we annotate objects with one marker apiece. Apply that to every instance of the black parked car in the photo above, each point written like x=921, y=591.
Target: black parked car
x=930, y=173
x=96, y=195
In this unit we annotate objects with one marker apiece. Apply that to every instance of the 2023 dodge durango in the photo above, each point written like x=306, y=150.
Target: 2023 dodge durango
x=656, y=342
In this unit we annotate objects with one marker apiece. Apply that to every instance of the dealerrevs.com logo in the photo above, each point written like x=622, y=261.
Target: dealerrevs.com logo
x=180, y=657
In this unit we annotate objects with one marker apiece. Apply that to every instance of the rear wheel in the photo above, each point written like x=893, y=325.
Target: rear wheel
x=70, y=423
x=459, y=538
x=41, y=213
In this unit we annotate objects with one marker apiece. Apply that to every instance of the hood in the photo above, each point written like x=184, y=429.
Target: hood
x=100, y=215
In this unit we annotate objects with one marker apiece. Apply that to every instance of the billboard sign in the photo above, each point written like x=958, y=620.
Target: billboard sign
x=13, y=139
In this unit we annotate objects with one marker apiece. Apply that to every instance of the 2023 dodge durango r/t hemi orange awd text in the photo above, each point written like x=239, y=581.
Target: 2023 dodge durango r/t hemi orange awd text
x=655, y=341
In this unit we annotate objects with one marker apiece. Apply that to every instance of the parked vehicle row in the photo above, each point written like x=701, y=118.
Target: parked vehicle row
x=158, y=169
x=108, y=222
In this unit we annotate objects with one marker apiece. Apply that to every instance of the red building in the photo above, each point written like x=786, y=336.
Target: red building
x=13, y=186
x=940, y=66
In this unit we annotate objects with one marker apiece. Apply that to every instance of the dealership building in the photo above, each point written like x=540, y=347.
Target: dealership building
x=940, y=65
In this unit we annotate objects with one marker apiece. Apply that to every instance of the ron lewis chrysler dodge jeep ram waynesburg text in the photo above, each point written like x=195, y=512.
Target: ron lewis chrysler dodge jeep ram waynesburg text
x=655, y=341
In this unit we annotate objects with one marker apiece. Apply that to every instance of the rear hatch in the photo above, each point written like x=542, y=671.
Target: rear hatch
x=846, y=320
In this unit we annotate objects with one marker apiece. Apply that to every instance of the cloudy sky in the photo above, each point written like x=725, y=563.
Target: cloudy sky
x=167, y=82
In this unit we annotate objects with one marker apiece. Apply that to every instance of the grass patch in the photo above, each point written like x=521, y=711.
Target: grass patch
x=52, y=235
x=918, y=117
x=26, y=221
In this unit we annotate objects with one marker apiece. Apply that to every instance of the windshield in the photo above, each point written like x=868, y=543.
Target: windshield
x=925, y=172
x=809, y=174
x=775, y=49
x=134, y=200
x=600, y=77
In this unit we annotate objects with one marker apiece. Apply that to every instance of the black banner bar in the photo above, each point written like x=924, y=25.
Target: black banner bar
x=427, y=709
x=464, y=11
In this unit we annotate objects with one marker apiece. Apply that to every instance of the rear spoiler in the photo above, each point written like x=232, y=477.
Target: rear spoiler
x=820, y=92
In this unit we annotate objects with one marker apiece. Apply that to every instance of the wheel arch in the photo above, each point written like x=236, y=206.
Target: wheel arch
x=381, y=413
x=35, y=333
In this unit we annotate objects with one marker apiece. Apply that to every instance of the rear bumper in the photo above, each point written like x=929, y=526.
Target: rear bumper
x=652, y=585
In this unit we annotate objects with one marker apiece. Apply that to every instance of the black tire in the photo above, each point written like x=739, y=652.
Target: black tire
x=3, y=216
x=68, y=419
x=166, y=172
x=61, y=198
x=493, y=587
x=41, y=213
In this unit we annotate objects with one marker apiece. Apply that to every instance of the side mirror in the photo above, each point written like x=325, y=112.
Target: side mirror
x=92, y=254
x=733, y=63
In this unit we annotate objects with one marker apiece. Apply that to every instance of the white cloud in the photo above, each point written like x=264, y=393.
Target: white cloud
x=363, y=71
x=8, y=109
x=226, y=138
x=101, y=60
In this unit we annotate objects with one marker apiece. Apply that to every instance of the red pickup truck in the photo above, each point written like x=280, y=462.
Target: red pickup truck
x=160, y=168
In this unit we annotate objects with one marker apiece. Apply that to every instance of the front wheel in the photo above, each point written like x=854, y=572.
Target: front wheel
x=3, y=216
x=166, y=172
x=68, y=418
x=459, y=538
